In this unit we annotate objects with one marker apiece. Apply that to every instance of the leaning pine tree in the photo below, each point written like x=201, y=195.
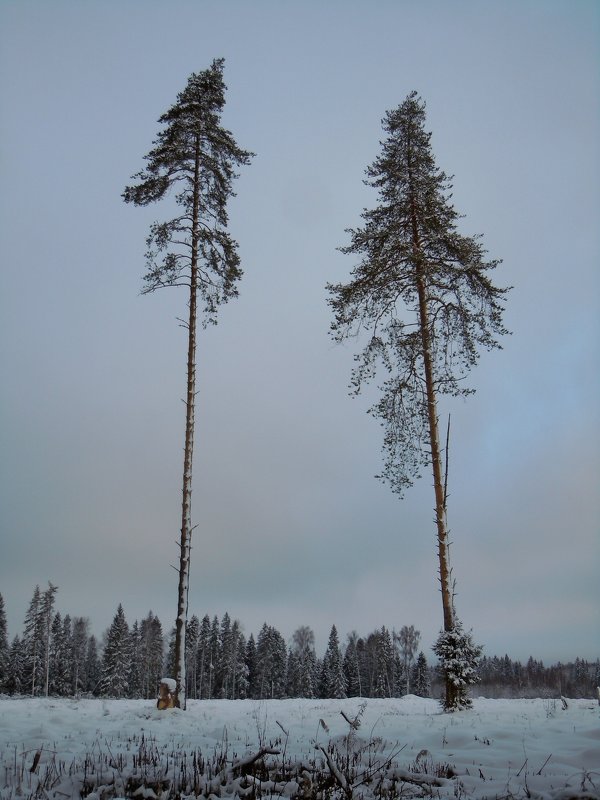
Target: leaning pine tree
x=423, y=294
x=196, y=157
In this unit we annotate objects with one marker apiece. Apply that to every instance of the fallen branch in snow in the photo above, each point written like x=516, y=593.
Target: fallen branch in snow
x=418, y=778
x=246, y=762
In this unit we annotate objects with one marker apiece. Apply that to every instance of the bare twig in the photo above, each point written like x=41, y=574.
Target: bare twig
x=539, y=772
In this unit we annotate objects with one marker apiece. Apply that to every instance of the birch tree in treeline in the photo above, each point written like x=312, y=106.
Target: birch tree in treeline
x=408, y=639
x=422, y=295
x=196, y=157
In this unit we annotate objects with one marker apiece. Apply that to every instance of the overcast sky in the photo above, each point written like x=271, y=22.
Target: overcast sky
x=293, y=528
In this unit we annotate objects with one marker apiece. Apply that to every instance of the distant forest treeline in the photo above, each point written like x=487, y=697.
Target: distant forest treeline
x=57, y=655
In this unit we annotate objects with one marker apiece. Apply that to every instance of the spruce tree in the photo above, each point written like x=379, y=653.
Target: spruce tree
x=79, y=644
x=303, y=663
x=213, y=656
x=239, y=668
x=197, y=157
x=93, y=671
x=46, y=609
x=333, y=680
x=203, y=657
x=17, y=682
x=135, y=678
x=224, y=666
x=4, y=648
x=420, y=676
x=191, y=656
x=116, y=661
x=32, y=644
x=422, y=293
x=60, y=656
x=384, y=683
x=459, y=657
x=351, y=666
x=251, y=666
x=271, y=662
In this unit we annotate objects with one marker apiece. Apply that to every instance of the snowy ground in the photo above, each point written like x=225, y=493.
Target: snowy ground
x=500, y=749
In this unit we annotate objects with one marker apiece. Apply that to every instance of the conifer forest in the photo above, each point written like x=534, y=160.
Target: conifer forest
x=58, y=655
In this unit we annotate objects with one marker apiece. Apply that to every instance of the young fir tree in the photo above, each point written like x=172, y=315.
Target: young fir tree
x=420, y=676
x=423, y=293
x=196, y=157
x=459, y=657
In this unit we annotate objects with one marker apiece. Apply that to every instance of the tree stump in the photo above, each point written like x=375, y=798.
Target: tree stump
x=166, y=692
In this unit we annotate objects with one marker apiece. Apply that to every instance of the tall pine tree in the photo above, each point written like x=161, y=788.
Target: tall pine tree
x=197, y=157
x=423, y=293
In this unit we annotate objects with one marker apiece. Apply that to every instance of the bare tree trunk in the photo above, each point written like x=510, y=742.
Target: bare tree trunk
x=436, y=464
x=186, y=506
x=434, y=441
x=47, y=643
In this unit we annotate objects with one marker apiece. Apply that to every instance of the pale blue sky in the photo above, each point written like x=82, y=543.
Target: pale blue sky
x=292, y=527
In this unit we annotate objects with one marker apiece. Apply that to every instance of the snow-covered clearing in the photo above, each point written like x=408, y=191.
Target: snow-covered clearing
x=403, y=748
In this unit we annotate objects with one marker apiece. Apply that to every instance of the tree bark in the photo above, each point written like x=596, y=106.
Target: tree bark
x=186, y=505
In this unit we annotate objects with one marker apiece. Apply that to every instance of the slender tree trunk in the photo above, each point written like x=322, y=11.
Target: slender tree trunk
x=34, y=669
x=434, y=440
x=47, y=654
x=438, y=483
x=186, y=506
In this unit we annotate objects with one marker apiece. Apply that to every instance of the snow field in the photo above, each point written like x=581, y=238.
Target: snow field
x=500, y=749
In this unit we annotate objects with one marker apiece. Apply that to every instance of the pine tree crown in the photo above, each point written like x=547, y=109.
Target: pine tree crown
x=197, y=157
x=409, y=246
